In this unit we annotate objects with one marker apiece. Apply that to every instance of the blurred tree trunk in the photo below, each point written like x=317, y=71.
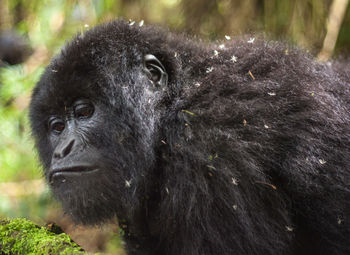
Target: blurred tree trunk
x=335, y=20
x=4, y=15
x=12, y=13
x=199, y=14
x=19, y=12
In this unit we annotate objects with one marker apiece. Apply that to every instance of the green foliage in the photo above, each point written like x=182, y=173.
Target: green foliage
x=16, y=148
x=20, y=236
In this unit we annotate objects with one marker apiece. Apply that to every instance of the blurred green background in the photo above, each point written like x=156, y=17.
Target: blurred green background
x=49, y=23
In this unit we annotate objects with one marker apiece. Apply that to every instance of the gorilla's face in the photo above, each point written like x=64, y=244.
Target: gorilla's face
x=95, y=128
x=86, y=170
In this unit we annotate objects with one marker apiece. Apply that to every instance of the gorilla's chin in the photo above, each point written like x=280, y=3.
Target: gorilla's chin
x=77, y=193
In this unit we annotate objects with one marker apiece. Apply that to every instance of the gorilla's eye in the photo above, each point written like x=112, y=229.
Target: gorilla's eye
x=56, y=125
x=83, y=110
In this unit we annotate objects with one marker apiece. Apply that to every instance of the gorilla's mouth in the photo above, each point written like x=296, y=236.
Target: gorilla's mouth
x=71, y=171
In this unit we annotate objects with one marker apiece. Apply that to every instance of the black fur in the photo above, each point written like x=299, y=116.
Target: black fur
x=246, y=151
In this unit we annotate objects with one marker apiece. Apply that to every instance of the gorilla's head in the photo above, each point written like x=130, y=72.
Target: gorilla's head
x=95, y=115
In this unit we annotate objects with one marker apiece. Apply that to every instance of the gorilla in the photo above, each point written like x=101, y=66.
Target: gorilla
x=241, y=146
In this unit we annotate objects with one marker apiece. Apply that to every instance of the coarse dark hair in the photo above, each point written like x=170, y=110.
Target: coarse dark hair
x=245, y=149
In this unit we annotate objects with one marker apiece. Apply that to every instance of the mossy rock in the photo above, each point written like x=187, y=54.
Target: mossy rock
x=21, y=236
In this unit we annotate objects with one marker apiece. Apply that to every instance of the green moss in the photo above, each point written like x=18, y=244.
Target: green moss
x=20, y=236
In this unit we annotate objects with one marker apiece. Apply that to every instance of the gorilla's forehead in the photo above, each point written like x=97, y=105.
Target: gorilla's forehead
x=88, y=64
x=83, y=68
x=112, y=44
x=61, y=85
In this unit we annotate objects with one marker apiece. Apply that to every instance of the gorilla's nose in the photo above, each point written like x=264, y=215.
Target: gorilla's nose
x=63, y=149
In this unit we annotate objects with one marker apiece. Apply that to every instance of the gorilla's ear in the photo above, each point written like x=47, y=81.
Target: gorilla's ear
x=155, y=71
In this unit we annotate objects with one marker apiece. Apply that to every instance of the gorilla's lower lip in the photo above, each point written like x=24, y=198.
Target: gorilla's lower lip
x=71, y=171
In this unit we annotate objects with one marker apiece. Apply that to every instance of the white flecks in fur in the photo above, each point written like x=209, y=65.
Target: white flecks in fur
x=127, y=183
x=234, y=59
x=289, y=229
x=228, y=37
x=234, y=181
x=175, y=54
x=322, y=161
x=163, y=142
x=222, y=46
x=216, y=53
x=209, y=69
x=211, y=167
x=104, y=197
x=266, y=126
x=234, y=207
x=131, y=22
x=339, y=221
x=167, y=190
x=271, y=93
x=141, y=23
x=197, y=84
x=251, y=40
x=244, y=123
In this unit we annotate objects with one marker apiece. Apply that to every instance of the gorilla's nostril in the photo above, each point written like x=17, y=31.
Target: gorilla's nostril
x=68, y=149
x=64, y=149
